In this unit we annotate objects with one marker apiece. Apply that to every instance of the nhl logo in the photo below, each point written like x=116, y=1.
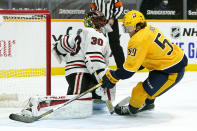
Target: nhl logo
x=175, y=32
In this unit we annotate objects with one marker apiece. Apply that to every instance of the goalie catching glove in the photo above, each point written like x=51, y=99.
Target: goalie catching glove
x=57, y=54
x=109, y=80
x=64, y=46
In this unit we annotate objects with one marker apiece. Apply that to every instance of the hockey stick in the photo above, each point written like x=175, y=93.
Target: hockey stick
x=30, y=119
x=107, y=102
x=110, y=106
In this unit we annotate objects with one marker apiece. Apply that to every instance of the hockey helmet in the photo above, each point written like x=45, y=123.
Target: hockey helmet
x=95, y=19
x=131, y=19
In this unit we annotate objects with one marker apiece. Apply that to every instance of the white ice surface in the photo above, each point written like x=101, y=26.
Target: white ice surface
x=175, y=110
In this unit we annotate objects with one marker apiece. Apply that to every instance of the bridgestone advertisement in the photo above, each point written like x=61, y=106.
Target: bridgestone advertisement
x=76, y=9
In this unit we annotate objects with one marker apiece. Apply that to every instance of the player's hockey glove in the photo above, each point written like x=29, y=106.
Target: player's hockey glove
x=109, y=80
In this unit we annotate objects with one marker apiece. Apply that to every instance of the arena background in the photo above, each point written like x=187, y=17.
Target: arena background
x=175, y=18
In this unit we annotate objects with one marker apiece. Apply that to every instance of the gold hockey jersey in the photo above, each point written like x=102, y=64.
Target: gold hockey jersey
x=151, y=49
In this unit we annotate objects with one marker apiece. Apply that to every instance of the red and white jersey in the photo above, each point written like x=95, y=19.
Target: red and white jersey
x=89, y=51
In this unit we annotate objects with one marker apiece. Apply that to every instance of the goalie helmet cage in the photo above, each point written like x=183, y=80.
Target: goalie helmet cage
x=25, y=19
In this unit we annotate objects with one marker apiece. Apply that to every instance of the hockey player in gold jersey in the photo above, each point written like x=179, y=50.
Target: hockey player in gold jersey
x=147, y=48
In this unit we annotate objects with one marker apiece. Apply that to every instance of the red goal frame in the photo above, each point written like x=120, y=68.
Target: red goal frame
x=48, y=39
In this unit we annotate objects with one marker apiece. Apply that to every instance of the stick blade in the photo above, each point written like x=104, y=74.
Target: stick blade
x=22, y=118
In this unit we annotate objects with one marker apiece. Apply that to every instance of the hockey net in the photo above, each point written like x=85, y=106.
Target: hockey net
x=25, y=55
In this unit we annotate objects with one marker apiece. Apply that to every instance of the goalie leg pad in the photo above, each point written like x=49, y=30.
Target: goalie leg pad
x=79, y=108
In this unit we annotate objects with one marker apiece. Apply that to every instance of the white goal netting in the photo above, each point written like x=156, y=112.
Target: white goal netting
x=24, y=56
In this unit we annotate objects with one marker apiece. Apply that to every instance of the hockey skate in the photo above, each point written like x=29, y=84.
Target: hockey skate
x=149, y=105
x=122, y=109
x=126, y=110
x=98, y=104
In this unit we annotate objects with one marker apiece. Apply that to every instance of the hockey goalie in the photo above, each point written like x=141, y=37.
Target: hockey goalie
x=87, y=56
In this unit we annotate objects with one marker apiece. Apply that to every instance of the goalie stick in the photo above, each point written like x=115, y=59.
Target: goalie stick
x=30, y=119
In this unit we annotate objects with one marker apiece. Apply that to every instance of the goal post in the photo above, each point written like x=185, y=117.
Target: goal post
x=25, y=53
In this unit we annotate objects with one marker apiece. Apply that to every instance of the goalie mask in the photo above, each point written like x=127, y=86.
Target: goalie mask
x=131, y=19
x=95, y=19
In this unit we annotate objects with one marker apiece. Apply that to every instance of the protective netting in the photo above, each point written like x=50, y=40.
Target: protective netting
x=23, y=57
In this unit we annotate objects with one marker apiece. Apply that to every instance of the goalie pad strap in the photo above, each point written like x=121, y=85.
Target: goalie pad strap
x=57, y=102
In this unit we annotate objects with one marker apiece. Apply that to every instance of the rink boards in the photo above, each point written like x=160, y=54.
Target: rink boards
x=180, y=32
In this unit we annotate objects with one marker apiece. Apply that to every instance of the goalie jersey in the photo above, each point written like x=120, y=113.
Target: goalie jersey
x=86, y=51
